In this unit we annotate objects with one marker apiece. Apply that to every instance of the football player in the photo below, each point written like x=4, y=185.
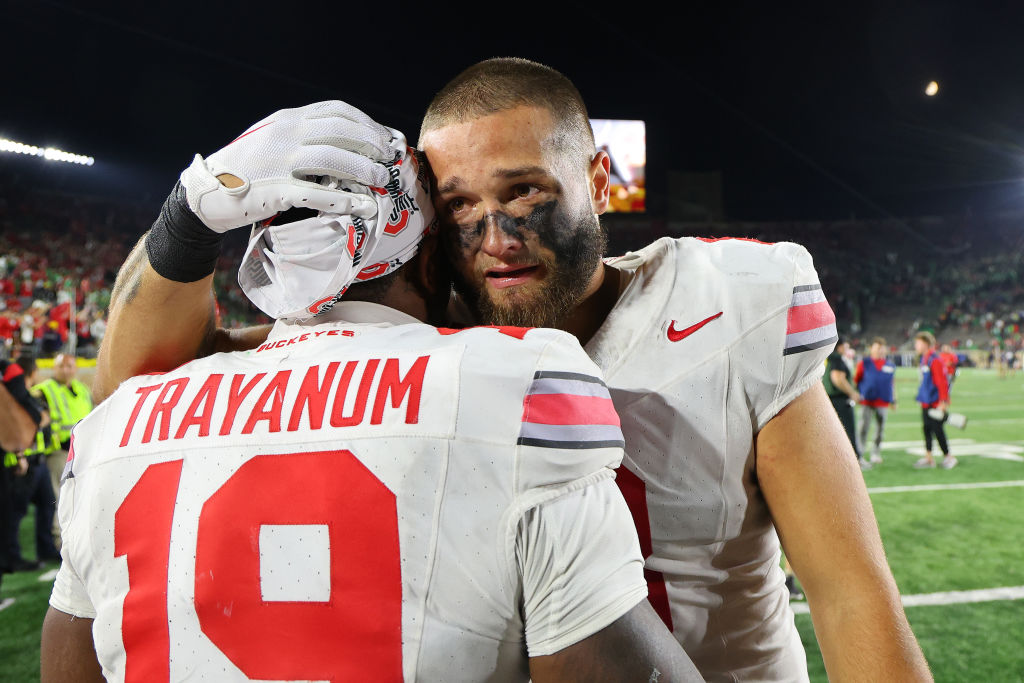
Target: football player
x=363, y=496
x=712, y=350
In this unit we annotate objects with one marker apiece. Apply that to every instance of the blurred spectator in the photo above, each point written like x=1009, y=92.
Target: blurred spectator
x=875, y=377
x=35, y=487
x=950, y=360
x=19, y=420
x=842, y=393
x=933, y=395
x=68, y=400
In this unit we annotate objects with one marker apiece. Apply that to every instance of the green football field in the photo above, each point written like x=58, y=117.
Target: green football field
x=954, y=538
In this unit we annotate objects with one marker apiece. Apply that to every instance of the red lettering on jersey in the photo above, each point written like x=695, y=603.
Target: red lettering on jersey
x=274, y=395
x=313, y=393
x=517, y=332
x=390, y=383
x=338, y=419
x=162, y=409
x=356, y=634
x=143, y=393
x=236, y=395
x=206, y=398
x=142, y=534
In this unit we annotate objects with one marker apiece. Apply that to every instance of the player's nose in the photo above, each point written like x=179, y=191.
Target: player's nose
x=500, y=239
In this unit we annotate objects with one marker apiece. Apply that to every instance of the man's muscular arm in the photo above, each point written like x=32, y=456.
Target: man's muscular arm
x=840, y=382
x=17, y=428
x=816, y=494
x=66, y=653
x=162, y=308
x=635, y=647
x=156, y=324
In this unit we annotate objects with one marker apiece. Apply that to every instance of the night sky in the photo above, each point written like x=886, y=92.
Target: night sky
x=809, y=111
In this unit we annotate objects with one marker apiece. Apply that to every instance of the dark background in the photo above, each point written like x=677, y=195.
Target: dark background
x=809, y=111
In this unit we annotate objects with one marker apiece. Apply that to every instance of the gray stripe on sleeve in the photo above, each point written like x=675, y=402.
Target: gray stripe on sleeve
x=581, y=433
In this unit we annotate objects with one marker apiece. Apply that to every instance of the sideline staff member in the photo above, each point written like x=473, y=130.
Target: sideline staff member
x=843, y=394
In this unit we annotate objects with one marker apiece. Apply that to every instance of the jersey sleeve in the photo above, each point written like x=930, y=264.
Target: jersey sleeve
x=569, y=427
x=69, y=594
x=809, y=336
x=580, y=563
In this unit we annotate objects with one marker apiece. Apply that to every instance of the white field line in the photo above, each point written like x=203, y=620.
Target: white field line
x=945, y=598
x=972, y=421
x=47, y=576
x=889, y=445
x=946, y=487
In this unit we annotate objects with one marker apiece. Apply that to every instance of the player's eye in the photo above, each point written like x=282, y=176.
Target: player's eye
x=522, y=191
x=456, y=205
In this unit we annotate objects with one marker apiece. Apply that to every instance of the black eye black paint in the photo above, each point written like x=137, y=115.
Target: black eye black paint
x=552, y=226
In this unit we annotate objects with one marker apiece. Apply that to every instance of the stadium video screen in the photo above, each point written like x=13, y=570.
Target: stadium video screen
x=626, y=144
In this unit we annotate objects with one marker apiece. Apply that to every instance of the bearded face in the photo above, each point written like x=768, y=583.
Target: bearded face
x=539, y=286
x=516, y=216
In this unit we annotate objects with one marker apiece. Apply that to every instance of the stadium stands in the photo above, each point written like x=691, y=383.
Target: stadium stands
x=960, y=277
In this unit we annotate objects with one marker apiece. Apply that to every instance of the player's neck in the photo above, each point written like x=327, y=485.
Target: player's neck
x=598, y=300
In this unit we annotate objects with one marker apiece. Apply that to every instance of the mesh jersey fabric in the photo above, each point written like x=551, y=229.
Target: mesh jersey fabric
x=386, y=422
x=691, y=406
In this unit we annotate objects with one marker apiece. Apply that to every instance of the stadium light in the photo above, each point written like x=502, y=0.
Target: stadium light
x=48, y=153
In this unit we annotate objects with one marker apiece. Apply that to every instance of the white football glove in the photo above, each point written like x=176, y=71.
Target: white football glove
x=277, y=158
x=300, y=269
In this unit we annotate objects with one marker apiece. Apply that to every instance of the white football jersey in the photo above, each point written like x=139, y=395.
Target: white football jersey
x=708, y=341
x=351, y=501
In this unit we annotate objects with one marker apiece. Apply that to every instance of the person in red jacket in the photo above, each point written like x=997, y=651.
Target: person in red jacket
x=875, y=379
x=933, y=395
x=950, y=360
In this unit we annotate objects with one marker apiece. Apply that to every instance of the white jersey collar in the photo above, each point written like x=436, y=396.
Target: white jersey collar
x=358, y=312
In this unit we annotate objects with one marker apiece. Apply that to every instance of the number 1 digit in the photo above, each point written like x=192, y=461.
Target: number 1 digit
x=142, y=533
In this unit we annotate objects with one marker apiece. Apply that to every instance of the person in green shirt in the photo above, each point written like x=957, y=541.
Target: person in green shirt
x=843, y=394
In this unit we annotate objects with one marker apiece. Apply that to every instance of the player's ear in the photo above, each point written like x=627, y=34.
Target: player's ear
x=433, y=269
x=432, y=275
x=600, y=181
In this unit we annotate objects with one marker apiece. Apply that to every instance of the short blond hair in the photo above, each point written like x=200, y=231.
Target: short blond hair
x=926, y=336
x=503, y=83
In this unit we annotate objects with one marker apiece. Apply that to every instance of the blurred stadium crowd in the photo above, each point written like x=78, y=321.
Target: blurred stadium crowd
x=959, y=277
x=59, y=256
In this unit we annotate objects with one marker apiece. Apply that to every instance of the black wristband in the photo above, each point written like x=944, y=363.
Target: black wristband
x=179, y=246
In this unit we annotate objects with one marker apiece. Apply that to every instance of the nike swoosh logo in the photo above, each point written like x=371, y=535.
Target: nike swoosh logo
x=677, y=335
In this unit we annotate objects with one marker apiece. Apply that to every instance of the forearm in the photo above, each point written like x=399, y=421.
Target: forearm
x=885, y=648
x=17, y=429
x=821, y=509
x=841, y=383
x=66, y=652
x=154, y=324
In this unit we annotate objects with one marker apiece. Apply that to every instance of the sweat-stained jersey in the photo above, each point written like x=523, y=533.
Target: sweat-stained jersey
x=350, y=501
x=707, y=342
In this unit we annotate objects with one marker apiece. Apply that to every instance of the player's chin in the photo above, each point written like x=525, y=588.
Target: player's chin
x=523, y=306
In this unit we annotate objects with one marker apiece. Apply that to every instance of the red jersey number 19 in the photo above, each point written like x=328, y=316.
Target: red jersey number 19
x=356, y=630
